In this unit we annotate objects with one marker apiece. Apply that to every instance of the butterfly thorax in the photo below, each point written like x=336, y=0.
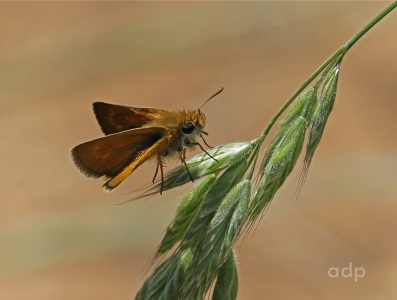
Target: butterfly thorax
x=183, y=128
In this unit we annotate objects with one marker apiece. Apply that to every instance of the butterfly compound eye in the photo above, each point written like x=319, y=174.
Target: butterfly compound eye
x=187, y=127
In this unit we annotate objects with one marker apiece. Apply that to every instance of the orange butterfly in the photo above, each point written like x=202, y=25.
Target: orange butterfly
x=133, y=135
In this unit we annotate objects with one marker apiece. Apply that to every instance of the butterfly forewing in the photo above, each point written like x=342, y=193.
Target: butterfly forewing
x=110, y=155
x=117, y=118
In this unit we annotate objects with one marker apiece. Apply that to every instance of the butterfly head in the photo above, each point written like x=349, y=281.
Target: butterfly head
x=194, y=124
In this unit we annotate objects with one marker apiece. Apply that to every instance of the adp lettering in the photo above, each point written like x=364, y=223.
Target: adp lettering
x=347, y=272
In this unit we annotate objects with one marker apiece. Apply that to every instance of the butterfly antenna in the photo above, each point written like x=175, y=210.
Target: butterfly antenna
x=215, y=94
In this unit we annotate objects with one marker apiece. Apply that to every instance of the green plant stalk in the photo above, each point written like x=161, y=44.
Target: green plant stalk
x=338, y=55
x=367, y=27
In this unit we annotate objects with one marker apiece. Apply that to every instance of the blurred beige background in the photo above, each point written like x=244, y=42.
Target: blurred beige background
x=61, y=237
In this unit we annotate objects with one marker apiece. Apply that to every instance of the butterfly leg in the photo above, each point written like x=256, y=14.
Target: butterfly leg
x=205, y=142
x=183, y=159
x=202, y=149
x=160, y=166
x=157, y=170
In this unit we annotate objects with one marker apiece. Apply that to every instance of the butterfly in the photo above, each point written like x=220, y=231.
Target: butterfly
x=134, y=135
